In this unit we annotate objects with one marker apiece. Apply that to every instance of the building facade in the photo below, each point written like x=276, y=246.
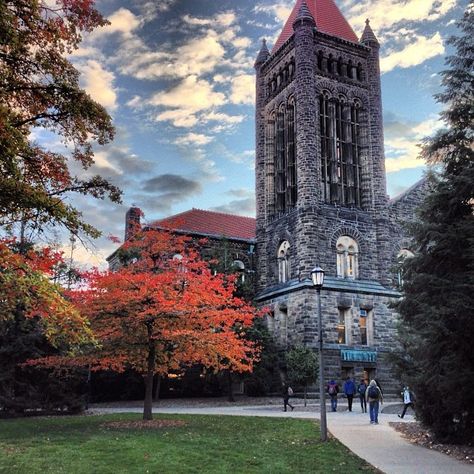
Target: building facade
x=321, y=193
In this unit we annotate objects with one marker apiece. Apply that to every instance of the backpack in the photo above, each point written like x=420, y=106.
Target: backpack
x=290, y=391
x=332, y=390
x=373, y=392
x=362, y=389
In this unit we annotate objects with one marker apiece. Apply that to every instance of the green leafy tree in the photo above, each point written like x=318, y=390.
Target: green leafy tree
x=437, y=324
x=40, y=94
x=266, y=372
x=302, y=367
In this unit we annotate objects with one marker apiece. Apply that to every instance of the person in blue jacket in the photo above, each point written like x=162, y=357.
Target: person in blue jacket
x=350, y=390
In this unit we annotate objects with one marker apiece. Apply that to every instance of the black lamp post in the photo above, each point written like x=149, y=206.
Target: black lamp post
x=317, y=277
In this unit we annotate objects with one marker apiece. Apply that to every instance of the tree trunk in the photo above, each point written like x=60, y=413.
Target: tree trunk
x=148, y=404
x=157, y=387
x=305, y=394
x=229, y=386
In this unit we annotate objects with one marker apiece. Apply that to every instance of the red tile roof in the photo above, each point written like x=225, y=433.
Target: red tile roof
x=211, y=223
x=328, y=17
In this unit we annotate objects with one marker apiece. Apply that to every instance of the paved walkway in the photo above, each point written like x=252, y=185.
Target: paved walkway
x=380, y=445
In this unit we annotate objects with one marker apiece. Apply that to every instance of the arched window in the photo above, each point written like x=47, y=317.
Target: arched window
x=285, y=158
x=402, y=256
x=280, y=161
x=347, y=255
x=239, y=266
x=340, y=150
x=283, y=257
x=320, y=60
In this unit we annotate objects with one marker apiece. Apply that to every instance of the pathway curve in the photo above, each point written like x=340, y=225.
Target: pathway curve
x=380, y=445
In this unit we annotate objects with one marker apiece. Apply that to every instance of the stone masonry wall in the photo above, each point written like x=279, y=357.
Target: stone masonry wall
x=295, y=322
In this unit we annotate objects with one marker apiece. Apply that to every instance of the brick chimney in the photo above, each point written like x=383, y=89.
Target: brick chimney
x=132, y=222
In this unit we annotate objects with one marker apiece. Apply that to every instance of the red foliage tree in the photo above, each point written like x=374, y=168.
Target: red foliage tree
x=165, y=309
x=26, y=289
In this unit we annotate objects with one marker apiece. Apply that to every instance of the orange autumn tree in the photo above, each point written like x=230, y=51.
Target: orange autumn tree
x=165, y=309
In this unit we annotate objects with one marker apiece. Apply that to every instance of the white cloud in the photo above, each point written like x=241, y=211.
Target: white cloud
x=99, y=83
x=243, y=89
x=224, y=118
x=281, y=11
x=190, y=96
x=197, y=139
x=384, y=14
x=122, y=21
x=101, y=159
x=402, y=146
x=417, y=52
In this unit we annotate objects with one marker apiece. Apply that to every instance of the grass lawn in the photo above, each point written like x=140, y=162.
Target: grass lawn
x=204, y=444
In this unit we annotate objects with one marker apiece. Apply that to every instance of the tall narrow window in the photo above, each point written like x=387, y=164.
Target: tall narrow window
x=326, y=148
x=280, y=163
x=340, y=150
x=341, y=327
x=283, y=262
x=363, y=326
x=291, y=157
x=285, y=158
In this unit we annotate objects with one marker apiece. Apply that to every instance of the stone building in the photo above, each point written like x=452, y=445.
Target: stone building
x=321, y=193
x=226, y=237
x=320, y=197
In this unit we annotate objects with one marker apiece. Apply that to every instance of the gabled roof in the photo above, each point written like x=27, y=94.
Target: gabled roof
x=328, y=17
x=212, y=224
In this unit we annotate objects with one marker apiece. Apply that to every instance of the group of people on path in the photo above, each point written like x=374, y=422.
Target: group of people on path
x=371, y=394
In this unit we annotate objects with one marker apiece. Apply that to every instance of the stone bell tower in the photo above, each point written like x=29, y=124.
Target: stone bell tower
x=320, y=189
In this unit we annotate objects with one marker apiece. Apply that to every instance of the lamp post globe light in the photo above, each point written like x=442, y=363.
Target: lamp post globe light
x=317, y=278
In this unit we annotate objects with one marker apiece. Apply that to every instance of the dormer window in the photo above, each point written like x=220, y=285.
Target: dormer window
x=239, y=266
x=347, y=253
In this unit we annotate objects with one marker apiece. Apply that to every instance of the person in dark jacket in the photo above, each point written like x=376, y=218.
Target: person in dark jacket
x=333, y=389
x=350, y=390
x=286, y=397
x=374, y=396
x=361, y=388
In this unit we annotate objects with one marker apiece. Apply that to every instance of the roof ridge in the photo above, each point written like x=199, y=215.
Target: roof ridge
x=400, y=196
x=222, y=213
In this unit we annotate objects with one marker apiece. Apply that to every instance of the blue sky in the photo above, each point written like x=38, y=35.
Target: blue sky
x=177, y=78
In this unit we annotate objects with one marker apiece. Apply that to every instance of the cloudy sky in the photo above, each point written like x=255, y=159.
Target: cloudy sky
x=177, y=78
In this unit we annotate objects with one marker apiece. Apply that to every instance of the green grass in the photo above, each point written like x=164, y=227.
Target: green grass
x=206, y=444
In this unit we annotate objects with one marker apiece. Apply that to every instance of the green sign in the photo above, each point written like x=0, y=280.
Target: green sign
x=359, y=356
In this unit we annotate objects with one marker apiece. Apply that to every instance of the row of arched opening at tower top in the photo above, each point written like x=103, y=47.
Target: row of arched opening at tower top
x=338, y=67
x=325, y=64
x=281, y=79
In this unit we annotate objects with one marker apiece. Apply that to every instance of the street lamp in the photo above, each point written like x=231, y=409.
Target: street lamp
x=317, y=277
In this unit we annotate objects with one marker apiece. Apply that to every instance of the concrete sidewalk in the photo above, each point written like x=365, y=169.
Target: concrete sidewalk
x=380, y=445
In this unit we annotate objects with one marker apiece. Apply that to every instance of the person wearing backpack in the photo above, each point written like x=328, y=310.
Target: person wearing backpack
x=374, y=396
x=333, y=390
x=408, y=400
x=349, y=389
x=361, y=389
x=287, y=392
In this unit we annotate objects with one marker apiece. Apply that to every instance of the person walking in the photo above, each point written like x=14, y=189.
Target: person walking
x=287, y=392
x=350, y=390
x=374, y=396
x=333, y=390
x=361, y=389
x=408, y=400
